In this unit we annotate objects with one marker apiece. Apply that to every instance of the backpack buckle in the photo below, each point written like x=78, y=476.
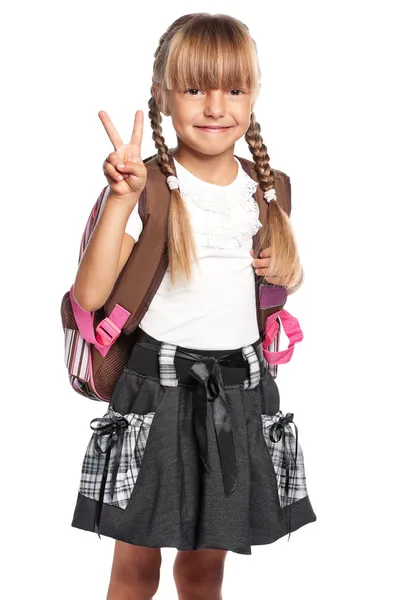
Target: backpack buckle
x=107, y=332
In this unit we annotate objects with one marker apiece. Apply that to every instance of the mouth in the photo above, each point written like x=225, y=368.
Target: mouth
x=213, y=129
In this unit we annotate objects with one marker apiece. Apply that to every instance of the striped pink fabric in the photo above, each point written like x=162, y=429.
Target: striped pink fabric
x=271, y=347
x=93, y=219
x=77, y=349
x=76, y=354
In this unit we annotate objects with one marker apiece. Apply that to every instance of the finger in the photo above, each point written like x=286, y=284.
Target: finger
x=136, y=136
x=132, y=167
x=110, y=130
x=270, y=278
x=262, y=272
x=114, y=159
x=266, y=252
x=112, y=172
x=261, y=263
x=122, y=164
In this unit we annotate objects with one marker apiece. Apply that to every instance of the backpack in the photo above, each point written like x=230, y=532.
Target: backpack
x=98, y=344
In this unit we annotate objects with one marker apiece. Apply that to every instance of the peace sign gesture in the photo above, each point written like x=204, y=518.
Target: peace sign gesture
x=129, y=179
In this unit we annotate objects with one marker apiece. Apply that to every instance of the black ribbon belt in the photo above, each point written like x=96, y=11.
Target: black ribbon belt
x=209, y=389
x=277, y=431
x=114, y=426
x=207, y=373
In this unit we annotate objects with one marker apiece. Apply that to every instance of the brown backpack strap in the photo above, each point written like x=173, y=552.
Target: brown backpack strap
x=142, y=202
x=148, y=259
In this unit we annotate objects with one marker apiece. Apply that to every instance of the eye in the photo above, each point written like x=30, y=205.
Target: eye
x=192, y=90
x=236, y=90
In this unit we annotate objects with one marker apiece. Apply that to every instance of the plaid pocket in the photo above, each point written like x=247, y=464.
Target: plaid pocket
x=290, y=477
x=114, y=457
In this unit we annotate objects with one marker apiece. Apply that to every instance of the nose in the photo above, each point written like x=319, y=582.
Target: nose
x=214, y=103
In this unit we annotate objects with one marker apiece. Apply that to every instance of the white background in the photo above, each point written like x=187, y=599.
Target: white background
x=328, y=116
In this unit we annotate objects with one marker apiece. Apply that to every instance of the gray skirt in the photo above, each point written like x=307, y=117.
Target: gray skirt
x=193, y=452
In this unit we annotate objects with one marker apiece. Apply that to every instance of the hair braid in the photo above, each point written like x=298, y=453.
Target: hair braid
x=160, y=143
x=284, y=261
x=181, y=244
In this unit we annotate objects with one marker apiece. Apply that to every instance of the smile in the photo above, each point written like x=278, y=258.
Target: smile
x=213, y=129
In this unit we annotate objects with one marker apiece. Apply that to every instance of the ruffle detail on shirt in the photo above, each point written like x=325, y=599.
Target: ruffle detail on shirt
x=220, y=230
x=223, y=216
x=214, y=199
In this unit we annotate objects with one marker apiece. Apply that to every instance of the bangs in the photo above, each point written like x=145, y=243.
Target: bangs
x=211, y=53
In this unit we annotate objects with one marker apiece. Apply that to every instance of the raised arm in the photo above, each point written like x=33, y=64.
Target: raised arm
x=109, y=246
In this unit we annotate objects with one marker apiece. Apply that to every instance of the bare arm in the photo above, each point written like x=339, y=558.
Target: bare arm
x=105, y=256
x=109, y=246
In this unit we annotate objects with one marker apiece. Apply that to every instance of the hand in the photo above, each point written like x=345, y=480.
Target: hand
x=130, y=179
x=261, y=267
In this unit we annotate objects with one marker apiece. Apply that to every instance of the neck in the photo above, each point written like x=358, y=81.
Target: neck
x=220, y=169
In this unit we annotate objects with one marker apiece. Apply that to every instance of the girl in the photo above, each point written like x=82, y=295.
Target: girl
x=193, y=469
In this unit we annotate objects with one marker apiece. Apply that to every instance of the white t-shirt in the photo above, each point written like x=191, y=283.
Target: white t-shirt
x=217, y=309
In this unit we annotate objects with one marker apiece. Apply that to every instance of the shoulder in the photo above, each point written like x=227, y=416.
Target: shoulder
x=277, y=173
x=153, y=167
x=282, y=184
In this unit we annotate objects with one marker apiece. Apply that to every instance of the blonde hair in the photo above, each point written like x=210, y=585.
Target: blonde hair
x=202, y=51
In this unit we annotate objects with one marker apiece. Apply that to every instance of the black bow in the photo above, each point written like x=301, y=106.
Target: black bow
x=277, y=431
x=114, y=426
x=208, y=374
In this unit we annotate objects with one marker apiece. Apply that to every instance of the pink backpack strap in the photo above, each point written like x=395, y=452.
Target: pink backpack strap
x=106, y=332
x=292, y=330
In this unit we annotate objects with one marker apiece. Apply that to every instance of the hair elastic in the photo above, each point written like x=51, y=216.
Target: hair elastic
x=172, y=182
x=270, y=194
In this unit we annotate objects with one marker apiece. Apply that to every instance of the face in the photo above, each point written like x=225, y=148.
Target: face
x=192, y=110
